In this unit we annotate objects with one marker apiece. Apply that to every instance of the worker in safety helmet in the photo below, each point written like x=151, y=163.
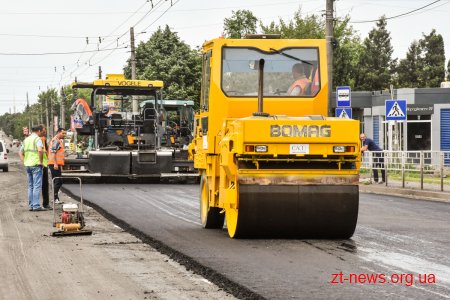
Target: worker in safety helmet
x=302, y=84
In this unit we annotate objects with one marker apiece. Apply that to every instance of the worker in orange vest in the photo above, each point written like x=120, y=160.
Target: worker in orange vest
x=302, y=84
x=56, y=161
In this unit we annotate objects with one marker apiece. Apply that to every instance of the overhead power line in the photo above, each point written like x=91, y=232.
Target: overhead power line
x=240, y=6
x=400, y=15
x=116, y=41
x=59, y=53
x=66, y=13
x=56, y=36
x=153, y=9
x=160, y=16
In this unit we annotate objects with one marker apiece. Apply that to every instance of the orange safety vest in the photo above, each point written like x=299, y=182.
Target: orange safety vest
x=315, y=84
x=58, y=156
x=302, y=83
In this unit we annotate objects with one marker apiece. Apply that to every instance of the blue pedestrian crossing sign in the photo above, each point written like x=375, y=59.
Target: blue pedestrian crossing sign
x=344, y=112
x=395, y=110
x=343, y=96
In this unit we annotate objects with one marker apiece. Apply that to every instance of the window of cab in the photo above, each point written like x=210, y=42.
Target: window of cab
x=290, y=72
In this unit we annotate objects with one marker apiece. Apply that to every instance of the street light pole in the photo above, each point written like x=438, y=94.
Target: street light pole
x=329, y=40
x=133, y=67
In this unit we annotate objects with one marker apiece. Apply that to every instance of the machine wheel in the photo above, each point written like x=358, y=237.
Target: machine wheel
x=294, y=211
x=232, y=221
x=211, y=217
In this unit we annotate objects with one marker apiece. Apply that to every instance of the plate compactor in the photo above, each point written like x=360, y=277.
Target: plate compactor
x=72, y=219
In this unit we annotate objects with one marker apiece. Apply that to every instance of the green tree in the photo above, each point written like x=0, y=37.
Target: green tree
x=32, y=115
x=346, y=54
x=410, y=68
x=241, y=23
x=376, y=64
x=448, y=70
x=300, y=27
x=13, y=123
x=165, y=57
x=433, y=72
x=10, y=124
x=49, y=102
x=348, y=48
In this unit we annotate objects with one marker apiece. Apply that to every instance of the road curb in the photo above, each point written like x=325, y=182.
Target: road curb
x=409, y=193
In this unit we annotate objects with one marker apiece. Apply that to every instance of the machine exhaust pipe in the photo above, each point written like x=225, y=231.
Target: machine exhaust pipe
x=260, y=112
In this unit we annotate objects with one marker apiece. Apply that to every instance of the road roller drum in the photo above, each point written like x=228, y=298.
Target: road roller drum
x=283, y=211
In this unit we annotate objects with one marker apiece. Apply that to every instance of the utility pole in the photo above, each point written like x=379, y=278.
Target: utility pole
x=52, y=118
x=99, y=72
x=30, y=117
x=40, y=114
x=133, y=66
x=63, y=116
x=397, y=136
x=46, y=118
x=329, y=39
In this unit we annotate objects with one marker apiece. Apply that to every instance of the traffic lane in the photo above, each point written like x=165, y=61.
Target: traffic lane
x=272, y=268
x=406, y=234
x=279, y=268
x=421, y=225
x=425, y=219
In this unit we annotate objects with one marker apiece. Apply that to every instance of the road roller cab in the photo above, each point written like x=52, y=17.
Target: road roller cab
x=271, y=162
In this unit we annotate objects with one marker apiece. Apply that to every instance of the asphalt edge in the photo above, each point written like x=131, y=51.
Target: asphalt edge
x=188, y=262
x=443, y=197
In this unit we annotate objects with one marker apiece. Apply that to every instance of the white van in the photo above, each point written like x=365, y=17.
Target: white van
x=3, y=156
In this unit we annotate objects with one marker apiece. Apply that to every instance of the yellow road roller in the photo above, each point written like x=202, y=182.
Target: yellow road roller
x=272, y=163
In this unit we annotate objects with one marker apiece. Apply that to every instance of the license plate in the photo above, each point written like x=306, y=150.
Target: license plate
x=299, y=149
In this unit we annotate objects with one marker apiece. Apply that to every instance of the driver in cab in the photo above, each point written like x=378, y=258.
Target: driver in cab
x=302, y=84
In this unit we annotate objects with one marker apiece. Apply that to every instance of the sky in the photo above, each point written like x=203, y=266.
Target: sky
x=64, y=36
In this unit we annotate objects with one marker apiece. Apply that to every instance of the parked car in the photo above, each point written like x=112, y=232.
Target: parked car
x=4, y=157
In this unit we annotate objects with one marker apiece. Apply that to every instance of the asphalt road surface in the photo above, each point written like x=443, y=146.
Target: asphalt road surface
x=109, y=264
x=401, y=247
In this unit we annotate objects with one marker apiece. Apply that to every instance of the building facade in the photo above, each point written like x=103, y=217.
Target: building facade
x=428, y=118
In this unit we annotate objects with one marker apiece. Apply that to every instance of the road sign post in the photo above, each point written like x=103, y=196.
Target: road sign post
x=344, y=112
x=343, y=96
x=395, y=110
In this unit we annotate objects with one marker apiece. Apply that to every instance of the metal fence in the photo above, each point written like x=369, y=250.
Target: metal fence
x=425, y=167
